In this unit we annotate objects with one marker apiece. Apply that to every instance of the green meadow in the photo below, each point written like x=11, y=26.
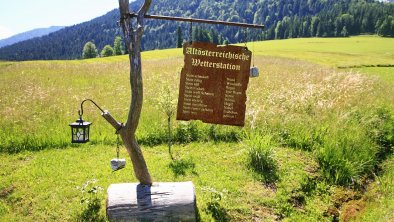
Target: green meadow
x=317, y=145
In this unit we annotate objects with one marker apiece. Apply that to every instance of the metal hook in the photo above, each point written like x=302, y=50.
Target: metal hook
x=80, y=112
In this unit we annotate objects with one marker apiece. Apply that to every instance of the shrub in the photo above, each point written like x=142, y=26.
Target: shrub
x=107, y=51
x=91, y=202
x=89, y=51
x=214, y=206
x=187, y=132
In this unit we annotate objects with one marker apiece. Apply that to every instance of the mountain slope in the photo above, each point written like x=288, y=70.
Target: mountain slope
x=283, y=19
x=29, y=35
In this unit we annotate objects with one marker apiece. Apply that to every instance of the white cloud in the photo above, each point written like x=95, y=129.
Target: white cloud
x=5, y=32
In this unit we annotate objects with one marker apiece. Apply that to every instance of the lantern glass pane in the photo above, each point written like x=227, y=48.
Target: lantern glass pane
x=78, y=134
x=87, y=133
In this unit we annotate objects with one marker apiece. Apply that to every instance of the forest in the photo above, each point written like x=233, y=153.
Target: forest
x=282, y=19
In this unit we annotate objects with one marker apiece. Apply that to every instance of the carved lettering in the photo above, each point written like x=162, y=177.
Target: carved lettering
x=213, y=84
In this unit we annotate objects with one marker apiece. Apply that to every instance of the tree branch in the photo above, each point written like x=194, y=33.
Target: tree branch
x=140, y=17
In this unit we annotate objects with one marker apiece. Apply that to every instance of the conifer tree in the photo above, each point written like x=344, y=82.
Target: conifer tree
x=179, y=37
x=118, y=45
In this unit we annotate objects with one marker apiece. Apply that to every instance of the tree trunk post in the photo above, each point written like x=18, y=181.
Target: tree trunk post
x=144, y=201
x=132, y=39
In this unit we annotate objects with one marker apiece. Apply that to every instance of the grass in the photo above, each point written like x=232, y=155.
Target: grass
x=385, y=73
x=329, y=131
x=343, y=52
x=379, y=197
x=349, y=52
x=34, y=180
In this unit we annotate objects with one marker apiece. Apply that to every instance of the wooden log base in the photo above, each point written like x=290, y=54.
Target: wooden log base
x=159, y=202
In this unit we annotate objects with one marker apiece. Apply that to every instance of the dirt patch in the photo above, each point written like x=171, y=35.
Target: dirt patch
x=351, y=209
x=6, y=191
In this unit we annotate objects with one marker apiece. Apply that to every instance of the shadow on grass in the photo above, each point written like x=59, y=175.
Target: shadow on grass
x=270, y=177
x=181, y=167
x=218, y=212
x=91, y=212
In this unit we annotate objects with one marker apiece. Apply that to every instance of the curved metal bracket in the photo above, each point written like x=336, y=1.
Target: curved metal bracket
x=80, y=112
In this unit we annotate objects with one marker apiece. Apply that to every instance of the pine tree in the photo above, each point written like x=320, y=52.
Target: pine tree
x=386, y=28
x=344, y=32
x=89, y=51
x=278, y=30
x=179, y=41
x=215, y=37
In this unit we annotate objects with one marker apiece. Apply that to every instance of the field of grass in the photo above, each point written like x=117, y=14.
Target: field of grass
x=357, y=51
x=344, y=52
x=315, y=137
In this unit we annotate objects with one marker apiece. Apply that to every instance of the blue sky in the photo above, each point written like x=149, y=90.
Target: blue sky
x=18, y=16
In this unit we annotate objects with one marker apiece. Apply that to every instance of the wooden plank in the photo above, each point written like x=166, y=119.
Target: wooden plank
x=159, y=202
x=213, y=83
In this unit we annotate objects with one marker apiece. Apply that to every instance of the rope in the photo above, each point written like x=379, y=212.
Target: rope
x=191, y=32
x=118, y=140
x=246, y=37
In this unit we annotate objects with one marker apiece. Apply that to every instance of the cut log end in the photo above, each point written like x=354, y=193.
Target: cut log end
x=159, y=202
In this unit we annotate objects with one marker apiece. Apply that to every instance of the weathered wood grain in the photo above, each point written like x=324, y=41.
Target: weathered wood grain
x=159, y=202
x=111, y=120
x=132, y=38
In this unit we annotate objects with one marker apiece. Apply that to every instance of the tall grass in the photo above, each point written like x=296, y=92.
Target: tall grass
x=346, y=154
x=261, y=156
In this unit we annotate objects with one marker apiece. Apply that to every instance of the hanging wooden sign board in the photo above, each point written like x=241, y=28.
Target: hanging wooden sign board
x=213, y=83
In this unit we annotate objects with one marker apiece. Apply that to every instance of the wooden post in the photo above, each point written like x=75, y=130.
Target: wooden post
x=133, y=41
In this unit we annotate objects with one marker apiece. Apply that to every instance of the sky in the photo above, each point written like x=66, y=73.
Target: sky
x=17, y=16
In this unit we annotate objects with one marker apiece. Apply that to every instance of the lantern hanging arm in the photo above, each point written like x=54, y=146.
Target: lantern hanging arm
x=80, y=112
x=248, y=25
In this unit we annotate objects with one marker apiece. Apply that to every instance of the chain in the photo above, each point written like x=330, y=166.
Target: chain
x=191, y=32
x=246, y=37
x=118, y=141
x=117, y=146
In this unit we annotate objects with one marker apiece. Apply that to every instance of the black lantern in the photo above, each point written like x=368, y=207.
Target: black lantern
x=80, y=131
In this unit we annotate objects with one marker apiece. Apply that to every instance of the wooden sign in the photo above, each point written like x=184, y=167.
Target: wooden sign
x=213, y=84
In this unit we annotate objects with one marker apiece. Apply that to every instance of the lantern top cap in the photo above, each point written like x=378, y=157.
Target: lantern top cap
x=80, y=122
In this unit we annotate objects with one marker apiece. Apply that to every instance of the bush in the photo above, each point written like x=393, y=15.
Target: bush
x=91, y=202
x=187, y=132
x=214, y=206
x=89, y=51
x=107, y=51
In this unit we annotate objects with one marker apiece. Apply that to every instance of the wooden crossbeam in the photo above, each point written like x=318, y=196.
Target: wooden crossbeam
x=193, y=20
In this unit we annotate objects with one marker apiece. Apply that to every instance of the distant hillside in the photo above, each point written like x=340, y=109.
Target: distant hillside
x=283, y=19
x=29, y=35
